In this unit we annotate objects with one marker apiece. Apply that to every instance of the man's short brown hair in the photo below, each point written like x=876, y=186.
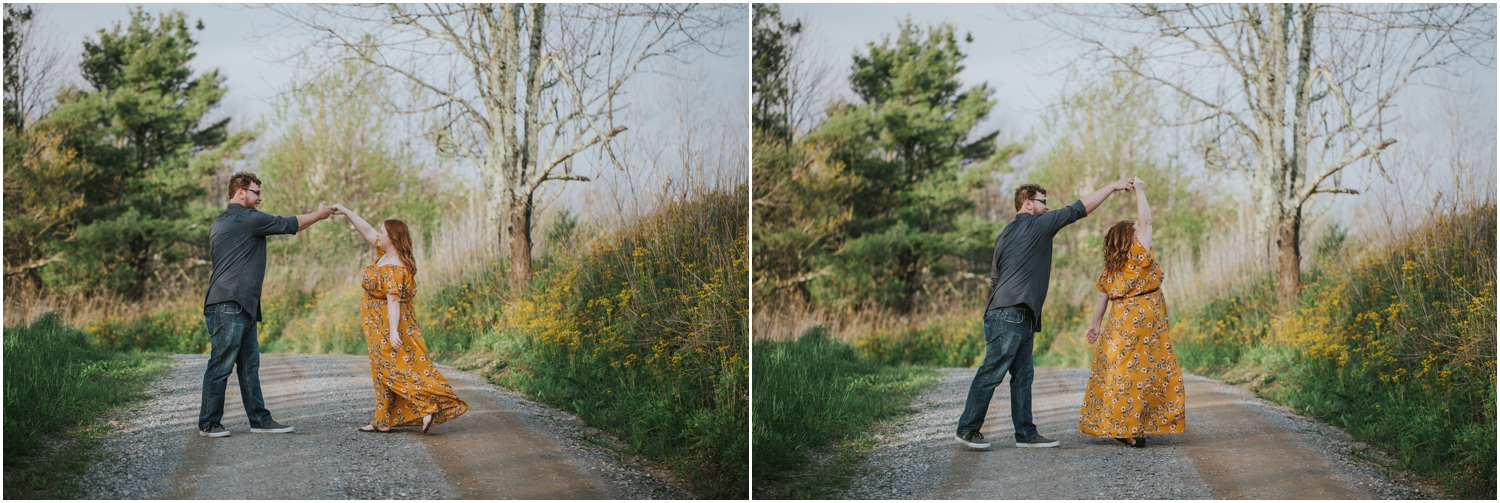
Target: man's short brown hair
x=1026, y=192
x=241, y=180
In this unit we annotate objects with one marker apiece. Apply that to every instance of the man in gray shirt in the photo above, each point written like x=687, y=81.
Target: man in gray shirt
x=1019, y=273
x=231, y=309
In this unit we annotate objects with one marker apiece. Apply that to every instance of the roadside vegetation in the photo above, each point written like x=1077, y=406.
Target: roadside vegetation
x=814, y=398
x=1395, y=344
x=58, y=386
x=643, y=332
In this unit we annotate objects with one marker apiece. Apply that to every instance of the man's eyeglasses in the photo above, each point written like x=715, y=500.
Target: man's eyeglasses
x=256, y=191
x=1043, y=201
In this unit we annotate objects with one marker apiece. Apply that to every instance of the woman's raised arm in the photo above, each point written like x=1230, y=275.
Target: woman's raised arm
x=360, y=226
x=1142, y=215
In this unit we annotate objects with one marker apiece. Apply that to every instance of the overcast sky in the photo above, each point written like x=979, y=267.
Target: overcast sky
x=1018, y=59
x=242, y=43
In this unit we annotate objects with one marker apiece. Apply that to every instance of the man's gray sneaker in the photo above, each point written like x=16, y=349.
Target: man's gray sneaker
x=214, y=430
x=973, y=439
x=1036, y=441
x=271, y=427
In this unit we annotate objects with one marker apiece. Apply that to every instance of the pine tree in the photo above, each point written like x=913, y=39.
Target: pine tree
x=912, y=147
x=142, y=129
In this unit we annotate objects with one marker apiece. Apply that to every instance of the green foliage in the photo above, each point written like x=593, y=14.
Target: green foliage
x=1396, y=346
x=457, y=315
x=947, y=343
x=336, y=149
x=135, y=153
x=800, y=213
x=904, y=166
x=56, y=383
x=645, y=333
x=814, y=392
x=771, y=38
x=44, y=180
x=179, y=327
x=1215, y=337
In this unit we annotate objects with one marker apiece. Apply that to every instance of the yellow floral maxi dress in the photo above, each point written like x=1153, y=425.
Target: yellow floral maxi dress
x=1135, y=385
x=407, y=384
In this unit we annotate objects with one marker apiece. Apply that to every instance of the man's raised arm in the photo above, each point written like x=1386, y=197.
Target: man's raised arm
x=305, y=221
x=1096, y=198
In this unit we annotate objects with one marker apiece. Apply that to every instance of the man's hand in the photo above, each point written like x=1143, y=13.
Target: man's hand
x=305, y=221
x=1127, y=183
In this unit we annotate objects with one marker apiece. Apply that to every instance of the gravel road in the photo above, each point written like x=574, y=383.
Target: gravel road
x=1237, y=446
x=505, y=447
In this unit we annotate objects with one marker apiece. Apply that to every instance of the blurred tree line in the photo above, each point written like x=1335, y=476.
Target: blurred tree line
x=111, y=185
x=894, y=199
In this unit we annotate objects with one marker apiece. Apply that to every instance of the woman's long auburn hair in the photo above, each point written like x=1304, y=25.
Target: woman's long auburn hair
x=400, y=236
x=1117, y=245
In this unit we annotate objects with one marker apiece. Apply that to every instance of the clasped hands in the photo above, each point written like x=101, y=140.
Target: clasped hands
x=328, y=211
x=1129, y=183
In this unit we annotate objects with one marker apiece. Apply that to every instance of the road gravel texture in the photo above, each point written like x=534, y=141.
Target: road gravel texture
x=1237, y=446
x=504, y=447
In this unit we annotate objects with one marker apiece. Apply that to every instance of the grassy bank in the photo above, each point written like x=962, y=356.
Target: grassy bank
x=1395, y=344
x=814, y=396
x=57, y=384
x=644, y=333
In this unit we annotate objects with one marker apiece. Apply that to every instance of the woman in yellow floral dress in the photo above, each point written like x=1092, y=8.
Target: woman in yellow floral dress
x=409, y=390
x=1135, y=384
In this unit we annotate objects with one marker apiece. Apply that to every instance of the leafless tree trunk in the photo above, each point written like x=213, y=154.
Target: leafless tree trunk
x=521, y=121
x=1336, y=68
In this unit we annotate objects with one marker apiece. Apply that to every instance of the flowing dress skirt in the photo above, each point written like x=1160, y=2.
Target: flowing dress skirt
x=1135, y=384
x=408, y=385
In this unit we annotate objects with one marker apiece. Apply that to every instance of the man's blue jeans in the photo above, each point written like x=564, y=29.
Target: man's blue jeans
x=231, y=332
x=1007, y=338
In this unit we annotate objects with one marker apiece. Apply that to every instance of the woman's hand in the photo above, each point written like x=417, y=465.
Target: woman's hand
x=395, y=339
x=1092, y=334
x=1138, y=184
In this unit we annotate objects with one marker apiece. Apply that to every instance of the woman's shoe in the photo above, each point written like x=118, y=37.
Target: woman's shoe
x=1133, y=442
x=426, y=423
x=370, y=428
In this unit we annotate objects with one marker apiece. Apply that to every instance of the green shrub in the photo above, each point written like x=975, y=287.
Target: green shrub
x=950, y=343
x=177, y=328
x=180, y=328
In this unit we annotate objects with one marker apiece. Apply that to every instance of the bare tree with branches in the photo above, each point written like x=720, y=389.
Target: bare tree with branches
x=33, y=63
x=1289, y=94
x=519, y=90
